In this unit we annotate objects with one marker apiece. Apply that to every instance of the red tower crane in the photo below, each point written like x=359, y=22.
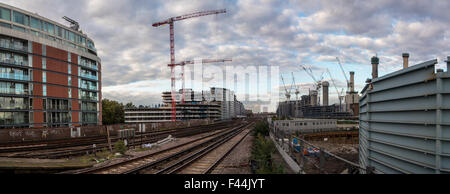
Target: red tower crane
x=172, y=64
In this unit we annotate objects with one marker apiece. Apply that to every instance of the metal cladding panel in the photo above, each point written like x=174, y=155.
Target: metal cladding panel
x=420, y=103
x=405, y=122
x=403, y=129
x=420, y=89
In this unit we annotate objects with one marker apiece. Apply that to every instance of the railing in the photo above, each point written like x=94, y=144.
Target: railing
x=14, y=62
x=14, y=47
x=89, y=76
x=84, y=108
x=14, y=91
x=314, y=159
x=89, y=98
x=89, y=87
x=14, y=76
x=89, y=65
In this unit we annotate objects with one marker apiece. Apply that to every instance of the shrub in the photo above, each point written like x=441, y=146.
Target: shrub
x=120, y=147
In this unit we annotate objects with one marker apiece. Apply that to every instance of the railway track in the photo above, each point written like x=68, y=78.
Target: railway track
x=51, y=144
x=207, y=161
x=55, y=151
x=160, y=161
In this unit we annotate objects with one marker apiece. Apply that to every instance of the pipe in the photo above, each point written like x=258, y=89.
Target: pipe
x=375, y=63
x=405, y=60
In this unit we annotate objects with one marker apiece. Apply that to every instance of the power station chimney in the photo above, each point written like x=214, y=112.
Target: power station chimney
x=375, y=63
x=325, y=86
x=352, y=81
x=314, y=96
x=448, y=64
x=405, y=60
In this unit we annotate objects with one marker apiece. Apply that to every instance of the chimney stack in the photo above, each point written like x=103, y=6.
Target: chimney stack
x=352, y=81
x=325, y=86
x=448, y=64
x=405, y=60
x=375, y=63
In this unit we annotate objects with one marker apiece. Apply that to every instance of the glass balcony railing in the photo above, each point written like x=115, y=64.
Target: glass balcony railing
x=87, y=64
x=15, y=76
x=14, y=62
x=89, y=87
x=89, y=76
x=13, y=47
x=89, y=98
x=88, y=108
x=14, y=91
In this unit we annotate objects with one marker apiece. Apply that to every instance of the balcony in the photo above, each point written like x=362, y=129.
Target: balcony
x=13, y=47
x=89, y=98
x=93, y=77
x=89, y=65
x=15, y=76
x=14, y=91
x=14, y=62
x=89, y=87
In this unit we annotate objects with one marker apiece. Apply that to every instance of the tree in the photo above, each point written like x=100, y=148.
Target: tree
x=130, y=105
x=112, y=112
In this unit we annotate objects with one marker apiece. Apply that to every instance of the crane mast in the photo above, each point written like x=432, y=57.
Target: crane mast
x=288, y=93
x=340, y=94
x=345, y=75
x=297, y=91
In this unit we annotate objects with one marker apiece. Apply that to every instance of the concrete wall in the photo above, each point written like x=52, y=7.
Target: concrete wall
x=305, y=125
x=38, y=134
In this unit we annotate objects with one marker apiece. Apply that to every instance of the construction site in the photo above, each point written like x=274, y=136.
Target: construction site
x=310, y=106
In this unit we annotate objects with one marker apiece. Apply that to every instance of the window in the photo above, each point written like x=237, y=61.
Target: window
x=72, y=36
x=19, y=28
x=44, y=90
x=5, y=14
x=44, y=63
x=5, y=25
x=51, y=28
x=35, y=23
x=20, y=18
x=44, y=50
x=44, y=77
x=59, y=32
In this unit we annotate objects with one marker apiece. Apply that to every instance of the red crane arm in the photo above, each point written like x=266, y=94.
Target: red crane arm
x=207, y=61
x=187, y=16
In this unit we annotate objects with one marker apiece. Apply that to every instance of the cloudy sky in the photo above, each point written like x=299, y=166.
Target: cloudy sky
x=253, y=33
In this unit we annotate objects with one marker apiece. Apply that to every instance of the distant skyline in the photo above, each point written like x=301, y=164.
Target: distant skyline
x=253, y=33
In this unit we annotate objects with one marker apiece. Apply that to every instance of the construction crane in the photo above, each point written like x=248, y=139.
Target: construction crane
x=297, y=91
x=288, y=92
x=172, y=64
x=317, y=82
x=73, y=24
x=340, y=94
x=345, y=75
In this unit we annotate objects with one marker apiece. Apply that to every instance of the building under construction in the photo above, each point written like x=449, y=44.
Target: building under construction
x=309, y=105
x=215, y=104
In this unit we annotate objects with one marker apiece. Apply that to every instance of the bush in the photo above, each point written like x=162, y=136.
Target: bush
x=262, y=128
x=120, y=147
x=262, y=151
